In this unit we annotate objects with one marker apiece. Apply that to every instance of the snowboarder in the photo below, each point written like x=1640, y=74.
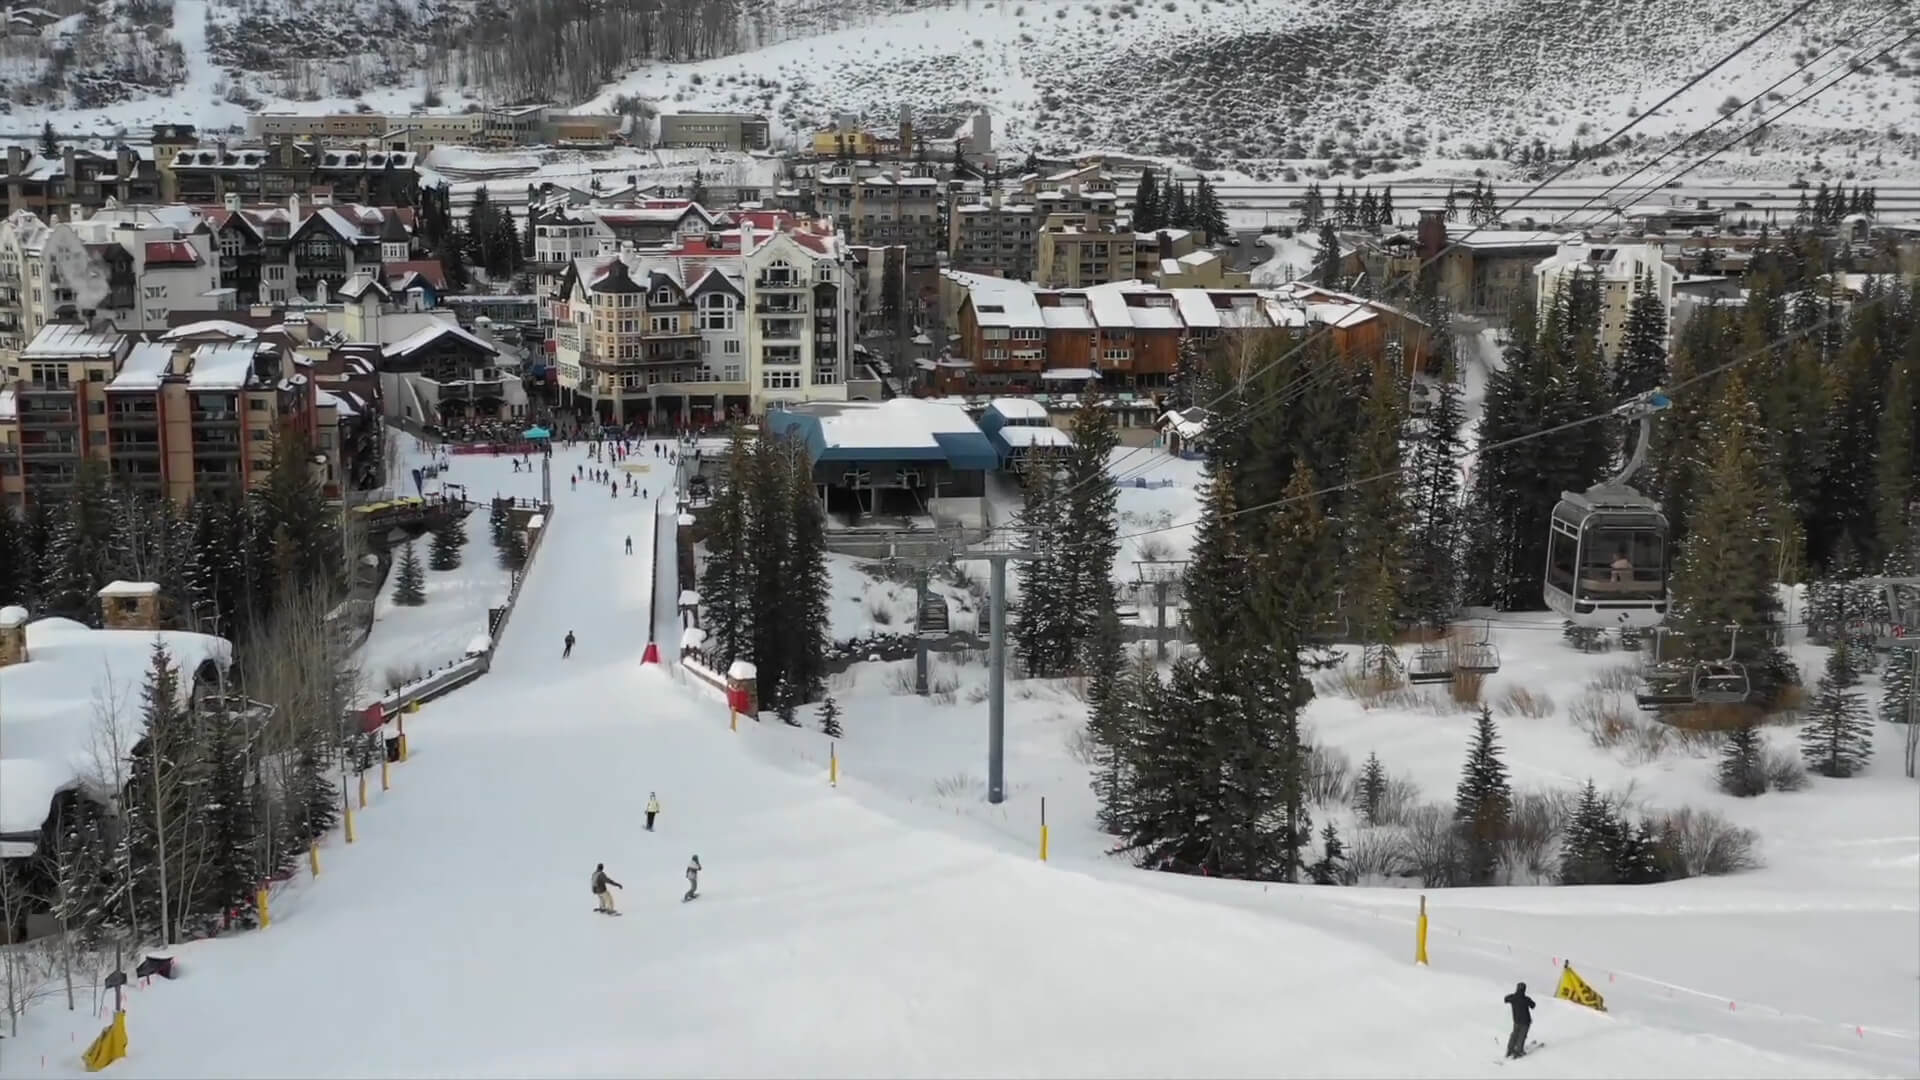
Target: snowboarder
x=568, y=651
x=600, y=894
x=693, y=880
x=653, y=808
x=1522, y=1020
x=629, y=545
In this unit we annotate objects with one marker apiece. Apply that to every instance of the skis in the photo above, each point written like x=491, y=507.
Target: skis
x=604, y=911
x=1532, y=1045
x=692, y=896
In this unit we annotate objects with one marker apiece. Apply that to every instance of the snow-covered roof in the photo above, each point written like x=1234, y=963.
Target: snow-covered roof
x=1508, y=238
x=223, y=327
x=69, y=341
x=1154, y=317
x=1188, y=424
x=1000, y=302
x=1017, y=435
x=741, y=671
x=130, y=588
x=901, y=429
x=1068, y=374
x=222, y=367
x=1017, y=408
x=144, y=367
x=688, y=598
x=1109, y=306
x=1067, y=317
x=9, y=405
x=425, y=336
x=74, y=682
x=1196, y=307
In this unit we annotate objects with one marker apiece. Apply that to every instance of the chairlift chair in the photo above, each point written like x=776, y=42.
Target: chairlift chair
x=1429, y=665
x=1479, y=657
x=1722, y=682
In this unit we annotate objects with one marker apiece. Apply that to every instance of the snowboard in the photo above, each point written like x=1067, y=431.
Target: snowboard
x=597, y=911
x=1532, y=1045
x=684, y=899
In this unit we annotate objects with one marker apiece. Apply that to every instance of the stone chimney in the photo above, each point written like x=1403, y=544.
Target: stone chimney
x=13, y=635
x=130, y=605
x=1165, y=240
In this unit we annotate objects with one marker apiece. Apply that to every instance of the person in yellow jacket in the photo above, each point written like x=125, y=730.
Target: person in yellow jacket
x=653, y=808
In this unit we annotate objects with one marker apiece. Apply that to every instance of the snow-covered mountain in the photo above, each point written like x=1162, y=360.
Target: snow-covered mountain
x=1226, y=82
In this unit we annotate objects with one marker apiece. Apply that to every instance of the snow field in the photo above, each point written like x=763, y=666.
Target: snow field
x=406, y=639
x=839, y=932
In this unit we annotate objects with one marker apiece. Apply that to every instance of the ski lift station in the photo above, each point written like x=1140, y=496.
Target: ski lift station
x=922, y=461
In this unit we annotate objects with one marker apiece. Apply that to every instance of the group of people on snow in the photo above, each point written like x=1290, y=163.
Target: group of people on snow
x=603, y=883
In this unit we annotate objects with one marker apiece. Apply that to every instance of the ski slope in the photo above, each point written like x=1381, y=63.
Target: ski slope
x=832, y=936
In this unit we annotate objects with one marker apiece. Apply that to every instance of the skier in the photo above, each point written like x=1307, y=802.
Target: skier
x=653, y=808
x=568, y=651
x=629, y=545
x=600, y=894
x=1522, y=1020
x=693, y=880
x=573, y=483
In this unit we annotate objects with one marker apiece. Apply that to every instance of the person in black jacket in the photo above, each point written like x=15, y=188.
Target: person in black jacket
x=601, y=894
x=1522, y=1020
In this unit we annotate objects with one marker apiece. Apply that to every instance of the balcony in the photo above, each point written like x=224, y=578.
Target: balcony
x=781, y=306
x=135, y=418
x=222, y=418
x=40, y=451
x=47, y=417
x=783, y=282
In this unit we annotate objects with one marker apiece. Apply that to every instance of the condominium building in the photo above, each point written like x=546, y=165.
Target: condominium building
x=1618, y=269
x=891, y=208
x=717, y=131
x=189, y=415
x=77, y=179
x=276, y=170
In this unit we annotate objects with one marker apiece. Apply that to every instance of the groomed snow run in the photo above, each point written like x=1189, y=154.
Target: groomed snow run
x=832, y=936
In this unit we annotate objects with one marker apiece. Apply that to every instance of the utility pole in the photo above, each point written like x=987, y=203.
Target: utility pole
x=998, y=548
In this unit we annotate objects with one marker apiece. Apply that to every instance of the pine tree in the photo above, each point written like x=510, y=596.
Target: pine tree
x=1897, y=687
x=1345, y=209
x=1042, y=630
x=1209, y=216
x=1589, y=852
x=1642, y=364
x=1331, y=270
x=726, y=583
x=481, y=231
x=513, y=551
x=1483, y=802
x=1089, y=534
x=16, y=561
x=1742, y=773
x=1367, y=214
x=1374, y=519
x=804, y=575
x=233, y=827
x=1895, y=466
x=444, y=554
x=1333, y=858
x=76, y=558
x=1430, y=592
x=165, y=812
x=1838, y=738
x=409, y=586
x=1724, y=575
x=1146, y=203
x=1383, y=214
x=306, y=532
x=1313, y=207
x=768, y=533
x=1370, y=791
x=830, y=718
x=1163, y=820
x=499, y=521
x=1112, y=717
x=1179, y=208
x=49, y=142
x=1637, y=862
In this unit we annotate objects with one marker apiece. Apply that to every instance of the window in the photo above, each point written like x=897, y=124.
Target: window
x=49, y=375
x=716, y=312
x=664, y=324
x=1116, y=355
x=731, y=373
x=662, y=298
x=780, y=380
x=730, y=347
x=156, y=292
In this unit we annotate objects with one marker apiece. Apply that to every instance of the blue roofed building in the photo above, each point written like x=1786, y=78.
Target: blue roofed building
x=903, y=458
x=1022, y=433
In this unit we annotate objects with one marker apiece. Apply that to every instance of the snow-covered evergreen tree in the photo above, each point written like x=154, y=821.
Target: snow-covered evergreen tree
x=410, y=581
x=830, y=718
x=1642, y=363
x=1374, y=520
x=1146, y=203
x=1330, y=273
x=233, y=827
x=726, y=582
x=1431, y=589
x=1089, y=541
x=1042, y=628
x=1637, y=855
x=1209, y=216
x=768, y=534
x=444, y=553
x=1898, y=687
x=1483, y=801
x=165, y=806
x=76, y=560
x=804, y=574
x=1370, y=790
x=1589, y=852
x=1742, y=772
x=1333, y=857
x=1838, y=737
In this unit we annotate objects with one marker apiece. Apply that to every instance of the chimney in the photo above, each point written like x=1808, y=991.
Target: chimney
x=130, y=605
x=1165, y=240
x=1431, y=236
x=13, y=635
x=293, y=211
x=16, y=160
x=232, y=200
x=746, y=237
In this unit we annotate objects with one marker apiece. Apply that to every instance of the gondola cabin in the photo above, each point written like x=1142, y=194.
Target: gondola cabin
x=1607, y=559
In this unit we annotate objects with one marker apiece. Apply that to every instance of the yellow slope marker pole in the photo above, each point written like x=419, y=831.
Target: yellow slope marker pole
x=313, y=857
x=1420, y=935
x=363, y=791
x=386, y=782
x=1043, y=828
x=833, y=765
x=260, y=903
